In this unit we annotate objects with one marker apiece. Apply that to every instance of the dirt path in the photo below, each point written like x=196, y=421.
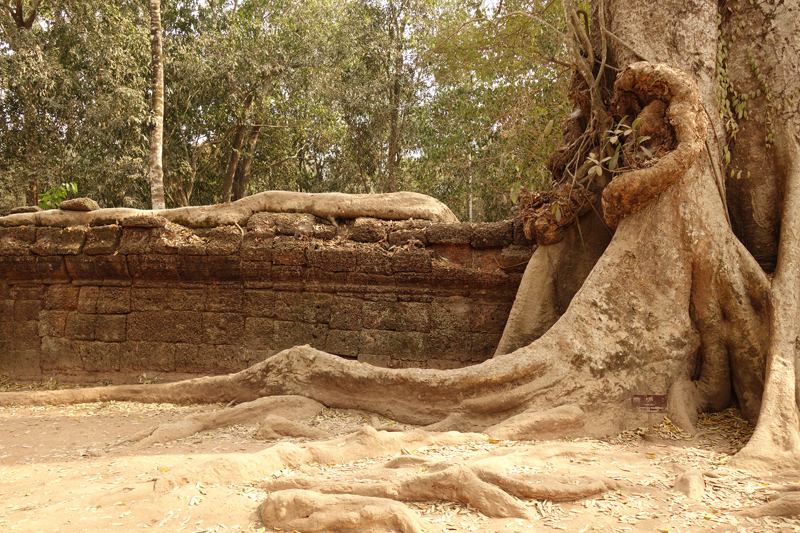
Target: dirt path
x=59, y=471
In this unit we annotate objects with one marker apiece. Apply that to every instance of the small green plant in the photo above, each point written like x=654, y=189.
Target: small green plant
x=617, y=138
x=55, y=195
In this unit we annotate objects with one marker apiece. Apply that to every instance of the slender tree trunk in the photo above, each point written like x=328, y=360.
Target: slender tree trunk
x=156, y=170
x=243, y=173
x=236, y=150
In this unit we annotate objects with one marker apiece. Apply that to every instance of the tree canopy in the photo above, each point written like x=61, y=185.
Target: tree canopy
x=362, y=96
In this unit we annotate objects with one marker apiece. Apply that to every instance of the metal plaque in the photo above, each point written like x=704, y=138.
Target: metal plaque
x=649, y=403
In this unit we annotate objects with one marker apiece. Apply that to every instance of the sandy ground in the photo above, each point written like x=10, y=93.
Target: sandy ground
x=60, y=471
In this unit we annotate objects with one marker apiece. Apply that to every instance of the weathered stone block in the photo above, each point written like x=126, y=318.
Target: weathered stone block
x=397, y=316
x=223, y=328
x=150, y=298
x=114, y=300
x=369, y=230
x=289, y=278
x=187, y=298
x=257, y=246
x=258, y=332
x=98, y=269
x=411, y=260
x=100, y=356
x=25, y=310
x=87, y=301
x=111, y=328
x=225, y=297
x=22, y=335
x=32, y=291
x=58, y=354
x=149, y=267
x=102, y=240
x=346, y=313
x=136, y=240
x=341, y=258
x=289, y=252
x=412, y=345
x=460, y=233
x=166, y=326
x=489, y=318
x=17, y=241
x=224, y=240
x=20, y=268
x=311, y=307
x=257, y=272
x=61, y=297
x=190, y=358
x=449, y=345
x=52, y=269
x=7, y=311
x=454, y=313
x=154, y=356
x=58, y=241
x=288, y=334
x=23, y=364
x=260, y=302
x=52, y=323
x=483, y=347
x=373, y=260
x=343, y=343
x=403, y=236
x=225, y=359
x=80, y=326
x=223, y=268
x=255, y=355
x=492, y=234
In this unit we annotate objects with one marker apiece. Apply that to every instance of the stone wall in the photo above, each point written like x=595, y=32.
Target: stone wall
x=153, y=298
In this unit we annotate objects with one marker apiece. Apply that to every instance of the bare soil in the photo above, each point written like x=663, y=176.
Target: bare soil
x=61, y=471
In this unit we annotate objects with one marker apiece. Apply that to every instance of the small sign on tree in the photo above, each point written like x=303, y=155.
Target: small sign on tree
x=649, y=403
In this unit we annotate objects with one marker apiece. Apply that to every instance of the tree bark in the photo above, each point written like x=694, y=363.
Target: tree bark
x=243, y=172
x=156, y=170
x=236, y=150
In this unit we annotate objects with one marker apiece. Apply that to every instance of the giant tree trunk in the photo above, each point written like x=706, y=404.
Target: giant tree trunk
x=675, y=305
x=156, y=170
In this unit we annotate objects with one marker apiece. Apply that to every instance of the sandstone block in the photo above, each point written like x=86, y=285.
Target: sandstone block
x=223, y=328
x=110, y=328
x=166, y=326
x=114, y=300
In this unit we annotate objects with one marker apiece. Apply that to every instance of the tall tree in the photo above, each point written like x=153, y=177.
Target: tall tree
x=156, y=170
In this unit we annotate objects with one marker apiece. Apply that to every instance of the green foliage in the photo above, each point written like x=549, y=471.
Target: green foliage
x=457, y=100
x=53, y=197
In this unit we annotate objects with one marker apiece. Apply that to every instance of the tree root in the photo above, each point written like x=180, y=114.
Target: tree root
x=390, y=206
x=279, y=407
x=483, y=485
x=275, y=427
x=786, y=505
x=363, y=444
x=443, y=481
x=311, y=512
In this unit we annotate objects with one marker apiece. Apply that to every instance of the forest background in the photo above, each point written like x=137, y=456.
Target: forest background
x=449, y=98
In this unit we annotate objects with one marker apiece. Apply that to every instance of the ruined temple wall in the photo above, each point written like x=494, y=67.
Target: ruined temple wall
x=135, y=301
